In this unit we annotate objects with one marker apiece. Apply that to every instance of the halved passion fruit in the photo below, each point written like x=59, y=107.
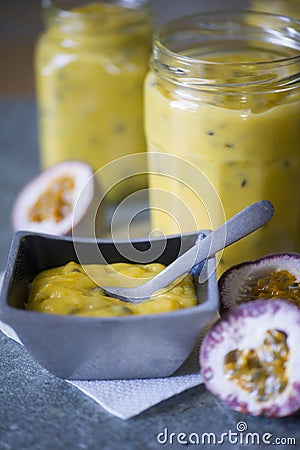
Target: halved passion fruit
x=47, y=204
x=251, y=361
x=271, y=277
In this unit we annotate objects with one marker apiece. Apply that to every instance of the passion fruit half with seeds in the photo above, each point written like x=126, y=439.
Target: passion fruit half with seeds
x=251, y=361
x=48, y=202
x=271, y=277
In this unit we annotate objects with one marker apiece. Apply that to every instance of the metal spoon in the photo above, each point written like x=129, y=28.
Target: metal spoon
x=238, y=226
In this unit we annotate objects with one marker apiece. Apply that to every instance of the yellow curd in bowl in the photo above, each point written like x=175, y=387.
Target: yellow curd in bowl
x=75, y=290
x=238, y=122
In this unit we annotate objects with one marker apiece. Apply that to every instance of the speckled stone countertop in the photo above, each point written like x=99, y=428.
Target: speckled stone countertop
x=39, y=411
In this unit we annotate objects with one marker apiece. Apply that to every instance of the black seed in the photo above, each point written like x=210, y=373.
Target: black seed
x=210, y=133
x=93, y=141
x=120, y=128
x=229, y=145
x=244, y=182
x=62, y=75
x=286, y=163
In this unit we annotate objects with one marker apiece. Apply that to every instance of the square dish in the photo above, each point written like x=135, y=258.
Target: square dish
x=89, y=348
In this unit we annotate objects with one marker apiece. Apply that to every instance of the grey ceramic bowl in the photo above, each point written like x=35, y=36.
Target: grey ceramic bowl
x=102, y=348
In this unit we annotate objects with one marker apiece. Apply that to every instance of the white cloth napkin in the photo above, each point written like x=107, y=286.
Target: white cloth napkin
x=127, y=398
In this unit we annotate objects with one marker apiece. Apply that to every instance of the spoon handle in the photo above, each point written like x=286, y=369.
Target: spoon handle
x=238, y=226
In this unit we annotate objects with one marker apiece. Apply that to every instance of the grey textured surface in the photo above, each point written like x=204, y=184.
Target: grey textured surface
x=41, y=412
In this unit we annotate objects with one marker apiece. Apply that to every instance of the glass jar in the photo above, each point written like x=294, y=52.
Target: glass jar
x=290, y=8
x=90, y=66
x=223, y=93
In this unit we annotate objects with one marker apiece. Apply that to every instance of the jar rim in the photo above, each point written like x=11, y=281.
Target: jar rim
x=173, y=39
x=129, y=4
x=131, y=12
x=223, y=15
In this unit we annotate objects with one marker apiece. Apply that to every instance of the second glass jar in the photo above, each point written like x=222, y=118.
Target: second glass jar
x=90, y=67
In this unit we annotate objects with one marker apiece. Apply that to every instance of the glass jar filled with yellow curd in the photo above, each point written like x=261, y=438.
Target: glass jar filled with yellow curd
x=90, y=65
x=223, y=93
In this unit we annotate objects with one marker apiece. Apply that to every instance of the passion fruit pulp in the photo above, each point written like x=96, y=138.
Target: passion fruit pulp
x=250, y=358
x=48, y=203
x=274, y=276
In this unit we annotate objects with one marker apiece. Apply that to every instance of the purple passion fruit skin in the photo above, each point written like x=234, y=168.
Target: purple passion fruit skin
x=272, y=276
x=250, y=358
x=58, y=201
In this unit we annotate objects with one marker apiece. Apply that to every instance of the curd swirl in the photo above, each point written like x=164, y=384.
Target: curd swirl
x=68, y=290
